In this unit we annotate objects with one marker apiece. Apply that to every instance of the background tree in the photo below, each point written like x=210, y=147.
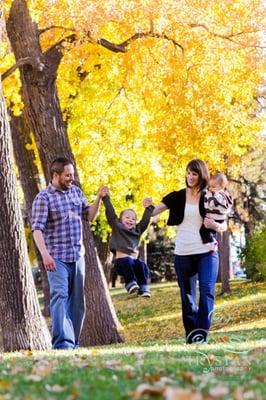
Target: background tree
x=22, y=324
x=161, y=81
x=43, y=114
x=29, y=179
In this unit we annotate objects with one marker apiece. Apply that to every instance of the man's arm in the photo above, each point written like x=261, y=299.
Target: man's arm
x=94, y=208
x=48, y=261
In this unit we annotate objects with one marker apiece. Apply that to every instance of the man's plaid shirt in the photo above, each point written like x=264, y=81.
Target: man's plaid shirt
x=58, y=214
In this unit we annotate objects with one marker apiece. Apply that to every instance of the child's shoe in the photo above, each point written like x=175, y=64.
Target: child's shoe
x=134, y=288
x=145, y=294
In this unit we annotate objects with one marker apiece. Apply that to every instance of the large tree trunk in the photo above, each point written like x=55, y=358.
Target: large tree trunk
x=30, y=183
x=22, y=324
x=45, y=119
x=225, y=261
x=97, y=300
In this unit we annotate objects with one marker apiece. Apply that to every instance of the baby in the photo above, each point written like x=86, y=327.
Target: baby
x=217, y=204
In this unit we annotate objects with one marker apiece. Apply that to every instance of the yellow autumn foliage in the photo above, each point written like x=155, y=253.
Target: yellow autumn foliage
x=184, y=87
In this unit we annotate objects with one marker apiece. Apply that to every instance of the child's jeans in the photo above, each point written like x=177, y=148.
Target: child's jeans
x=134, y=272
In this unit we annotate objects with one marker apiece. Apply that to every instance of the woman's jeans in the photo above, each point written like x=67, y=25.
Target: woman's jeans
x=67, y=303
x=204, y=267
x=134, y=272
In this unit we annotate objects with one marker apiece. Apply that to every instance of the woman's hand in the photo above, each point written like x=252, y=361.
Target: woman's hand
x=209, y=223
x=147, y=202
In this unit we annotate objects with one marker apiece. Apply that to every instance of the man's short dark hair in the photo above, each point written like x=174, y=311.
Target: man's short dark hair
x=58, y=165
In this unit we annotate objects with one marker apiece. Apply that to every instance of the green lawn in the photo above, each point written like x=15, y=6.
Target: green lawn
x=154, y=362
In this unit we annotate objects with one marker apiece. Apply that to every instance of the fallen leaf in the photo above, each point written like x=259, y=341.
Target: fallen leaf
x=210, y=359
x=130, y=374
x=172, y=393
x=112, y=363
x=55, y=388
x=187, y=376
x=4, y=384
x=145, y=389
x=154, y=377
x=223, y=339
x=33, y=378
x=42, y=368
x=261, y=378
x=238, y=393
x=219, y=391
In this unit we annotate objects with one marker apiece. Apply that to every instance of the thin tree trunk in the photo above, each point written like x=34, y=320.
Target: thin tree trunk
x=104, y=255
x=224, y=261
x=30, y=183
x=143, y=252
x=44, y=116
x=22, y=324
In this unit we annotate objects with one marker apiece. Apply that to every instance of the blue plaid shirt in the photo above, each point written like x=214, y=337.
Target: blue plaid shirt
x=58, y=214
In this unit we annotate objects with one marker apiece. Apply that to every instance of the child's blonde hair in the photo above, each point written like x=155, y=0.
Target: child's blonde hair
x=127, y=209
x=221, y=179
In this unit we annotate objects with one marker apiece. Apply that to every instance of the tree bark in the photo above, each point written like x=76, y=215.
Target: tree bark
x=100, y=312
x=143, y=252
x=105, y=256
x=30, y=183
x=22, y=324
x=224, y=261
x=45, y=119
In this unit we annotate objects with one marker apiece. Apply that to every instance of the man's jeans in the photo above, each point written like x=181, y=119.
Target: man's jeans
x=134, y=271
x=197, y=318
x=67, y=303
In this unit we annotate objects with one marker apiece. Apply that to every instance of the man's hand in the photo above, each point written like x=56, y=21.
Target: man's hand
x=48, y=262
x=103, y=191
x=147, y=202
x=93, y=210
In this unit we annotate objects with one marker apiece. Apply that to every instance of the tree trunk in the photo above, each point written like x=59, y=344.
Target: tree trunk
x=30, y=183
x=100, y=313
x=104, y=255
x=224, y=261
x=44, y=116
x=22, y=324
x=143, y=252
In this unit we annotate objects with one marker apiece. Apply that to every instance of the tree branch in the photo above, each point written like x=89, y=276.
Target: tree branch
x=118, y=48
x=228, y=37
x=34, y=62
x=41, y=31
x=150, y=34
x=122, y=47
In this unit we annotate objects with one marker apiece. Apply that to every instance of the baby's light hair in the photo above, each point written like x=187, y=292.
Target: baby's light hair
x=221, y=179
x=127, y=209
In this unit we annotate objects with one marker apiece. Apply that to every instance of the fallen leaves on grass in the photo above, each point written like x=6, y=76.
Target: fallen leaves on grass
x=4, y=384
x=219, y=391
x=166, y=392
x=55, y=388
x=187, y=376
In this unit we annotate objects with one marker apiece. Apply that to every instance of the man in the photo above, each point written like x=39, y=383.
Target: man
x=57, y=214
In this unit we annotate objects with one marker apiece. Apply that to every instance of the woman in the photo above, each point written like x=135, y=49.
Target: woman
x=193, y=258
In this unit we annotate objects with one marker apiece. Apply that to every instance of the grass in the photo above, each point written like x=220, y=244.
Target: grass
x=154, y=362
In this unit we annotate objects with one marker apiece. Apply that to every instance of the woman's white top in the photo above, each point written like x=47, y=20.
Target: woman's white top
x=188, y=239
